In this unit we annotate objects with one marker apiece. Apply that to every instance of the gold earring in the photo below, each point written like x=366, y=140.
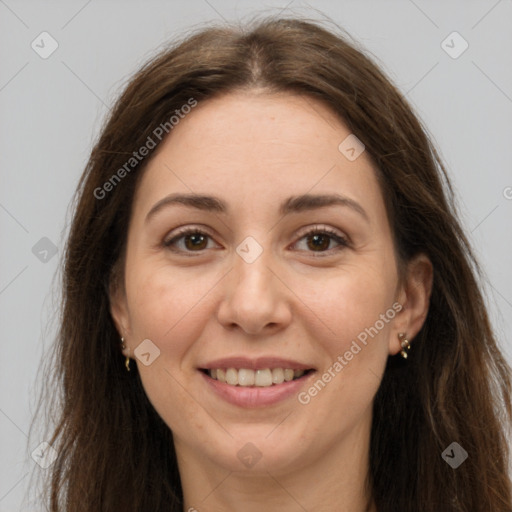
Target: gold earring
x=127, y=360
x=404, y=343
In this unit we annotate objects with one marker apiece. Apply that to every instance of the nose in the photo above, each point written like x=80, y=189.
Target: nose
x=254, y=299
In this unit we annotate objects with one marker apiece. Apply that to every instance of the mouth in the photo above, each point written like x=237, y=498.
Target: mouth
x=252, y=383
x=259, y=378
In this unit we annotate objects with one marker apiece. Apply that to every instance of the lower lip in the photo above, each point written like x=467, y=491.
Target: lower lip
x=256, y=396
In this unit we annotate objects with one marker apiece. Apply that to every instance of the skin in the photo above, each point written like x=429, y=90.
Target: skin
x=253, y=151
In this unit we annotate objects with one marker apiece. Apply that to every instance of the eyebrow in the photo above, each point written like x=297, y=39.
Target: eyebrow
x=294, y=204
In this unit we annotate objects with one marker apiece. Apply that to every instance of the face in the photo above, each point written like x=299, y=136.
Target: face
x=284, y=263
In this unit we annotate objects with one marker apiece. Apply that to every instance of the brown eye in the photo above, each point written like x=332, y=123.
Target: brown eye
x=323, y=240
x=189, y=241
x=196, y=241
x=318, y=242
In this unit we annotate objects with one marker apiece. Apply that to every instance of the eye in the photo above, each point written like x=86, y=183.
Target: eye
x=190, y=240
x=317, y=240
x=321, y=240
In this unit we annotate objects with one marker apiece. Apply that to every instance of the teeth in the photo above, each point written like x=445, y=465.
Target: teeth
x=263, y=378
x=277, y=375
x=245, y=377
x=232, y=376
x=260, y=378
x=288, y=375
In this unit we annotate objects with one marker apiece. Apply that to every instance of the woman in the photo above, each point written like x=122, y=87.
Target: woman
x=268, y=300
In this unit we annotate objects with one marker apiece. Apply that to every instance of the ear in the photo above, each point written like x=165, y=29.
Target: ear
x=119, y=311
x=414, y=297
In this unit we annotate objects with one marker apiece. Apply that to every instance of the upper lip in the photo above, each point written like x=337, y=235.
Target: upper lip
x=258, y=363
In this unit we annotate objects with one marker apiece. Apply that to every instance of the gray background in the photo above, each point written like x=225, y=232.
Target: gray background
x=51, y=110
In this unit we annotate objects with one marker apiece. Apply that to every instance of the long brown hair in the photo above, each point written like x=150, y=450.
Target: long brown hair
x=115, y=452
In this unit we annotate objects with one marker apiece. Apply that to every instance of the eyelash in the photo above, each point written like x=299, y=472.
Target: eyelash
x=333, y=235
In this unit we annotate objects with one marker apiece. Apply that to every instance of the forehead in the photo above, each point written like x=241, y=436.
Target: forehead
x=254, y=146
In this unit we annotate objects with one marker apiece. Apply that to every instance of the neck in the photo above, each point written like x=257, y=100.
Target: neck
x=334, y=480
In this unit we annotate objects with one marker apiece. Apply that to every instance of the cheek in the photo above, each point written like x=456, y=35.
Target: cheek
x=356, y=312
x=355, y=305
x=167, y=307
x=343, y=323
